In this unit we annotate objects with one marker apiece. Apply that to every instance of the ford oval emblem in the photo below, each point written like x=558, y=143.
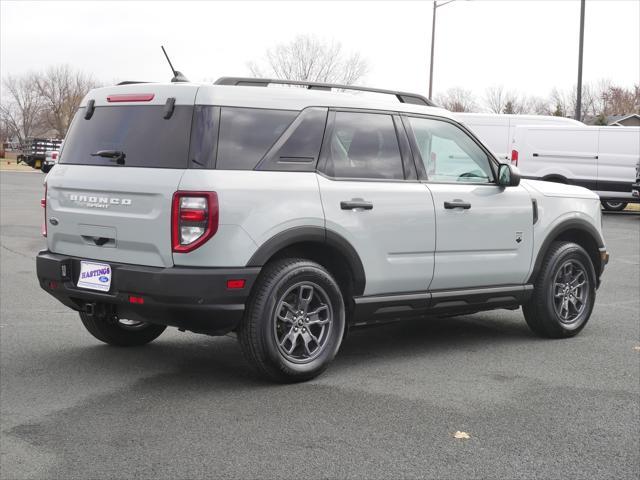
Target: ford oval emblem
x=53, y=221
x=103, y=279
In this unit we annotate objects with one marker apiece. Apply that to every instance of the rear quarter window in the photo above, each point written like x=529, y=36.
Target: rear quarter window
x=146, y=138
x=247, y=133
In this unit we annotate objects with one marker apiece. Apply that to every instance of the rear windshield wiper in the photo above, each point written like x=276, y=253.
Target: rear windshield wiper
x=115, y=155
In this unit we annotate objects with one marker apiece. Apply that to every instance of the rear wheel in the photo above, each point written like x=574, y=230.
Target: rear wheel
x=121, y=332
x=295, y=320
x=564, y=292
x=614, y=206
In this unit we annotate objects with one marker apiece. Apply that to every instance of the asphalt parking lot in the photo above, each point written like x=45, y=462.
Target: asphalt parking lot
x=187, y=406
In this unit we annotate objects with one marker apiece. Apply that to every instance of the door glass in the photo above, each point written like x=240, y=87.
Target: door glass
x=364, y=145
x=449, y=154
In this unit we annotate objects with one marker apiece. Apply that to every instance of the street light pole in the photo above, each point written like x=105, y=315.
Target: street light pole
x=433, y=41
x=578, y=113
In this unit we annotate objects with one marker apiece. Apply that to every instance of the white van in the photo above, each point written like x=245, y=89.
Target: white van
x=496, y=130
x=602, y=159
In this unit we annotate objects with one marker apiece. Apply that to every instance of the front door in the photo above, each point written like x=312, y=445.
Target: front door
x=369, y=198
x=484, y=231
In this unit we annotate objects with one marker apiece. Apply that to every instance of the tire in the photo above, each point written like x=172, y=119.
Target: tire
x=113, y=332
x=545, y=313
x=46, y=168
x=612, y=206
x=277, y=337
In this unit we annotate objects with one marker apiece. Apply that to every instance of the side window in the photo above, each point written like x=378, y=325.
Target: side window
x=298, y=148
x=448, y=153
x=247, y=133
x=363, y=145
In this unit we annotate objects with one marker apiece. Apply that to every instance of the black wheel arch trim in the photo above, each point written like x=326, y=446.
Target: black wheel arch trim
x=330, y=238
x=571, y=224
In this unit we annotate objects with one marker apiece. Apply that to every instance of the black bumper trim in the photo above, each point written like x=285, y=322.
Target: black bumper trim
x=191, y=298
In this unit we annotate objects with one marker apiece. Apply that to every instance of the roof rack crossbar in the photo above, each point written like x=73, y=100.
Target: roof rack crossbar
x=403, y=97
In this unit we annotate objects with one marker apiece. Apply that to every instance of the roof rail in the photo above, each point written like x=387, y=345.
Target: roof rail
x=131, y=82
x=403, y=97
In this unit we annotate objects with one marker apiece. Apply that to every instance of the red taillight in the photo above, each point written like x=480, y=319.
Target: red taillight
x=514, y=157
x=43, y=204
x=54, y=155
x=131, y=97
x=187, y=215
x=136, y=300
x=235, y=284
x=194, y=219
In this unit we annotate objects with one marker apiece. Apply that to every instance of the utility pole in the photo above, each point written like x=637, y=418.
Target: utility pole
x=578, y=114
x=433, y=39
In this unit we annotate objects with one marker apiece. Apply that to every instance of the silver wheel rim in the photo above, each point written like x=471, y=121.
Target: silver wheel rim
x=613, y=204
x=302, y=322
x=131, y=324
x=570, y=291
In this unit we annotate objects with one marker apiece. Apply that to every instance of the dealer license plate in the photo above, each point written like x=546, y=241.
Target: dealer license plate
x=94, y=276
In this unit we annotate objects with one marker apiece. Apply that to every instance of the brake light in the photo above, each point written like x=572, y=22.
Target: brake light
x=43, y=204
x=514, y=157
x=131, y=97
x=54, y=155
x=194, y=219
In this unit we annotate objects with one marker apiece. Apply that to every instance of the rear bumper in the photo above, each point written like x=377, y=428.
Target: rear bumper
x=195, y=299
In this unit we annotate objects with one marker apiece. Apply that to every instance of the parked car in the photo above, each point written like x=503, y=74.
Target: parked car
x=602, y=159
x=288, y=215
x=496, y=131
x=50, y=159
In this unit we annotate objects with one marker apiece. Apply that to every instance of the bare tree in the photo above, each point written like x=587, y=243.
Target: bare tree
x=21, y=106
x=62, y=90
x=307, y=58
x=495, y=98
x=457, y=99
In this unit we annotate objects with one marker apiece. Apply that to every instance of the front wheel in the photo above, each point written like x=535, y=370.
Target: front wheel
x=564, y=292
x=614, y=206
x=121, y=332
x=294, y=322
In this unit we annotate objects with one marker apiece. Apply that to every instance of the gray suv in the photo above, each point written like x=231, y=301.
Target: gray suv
x=288, y=215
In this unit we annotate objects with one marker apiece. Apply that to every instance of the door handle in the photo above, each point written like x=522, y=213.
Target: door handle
x=457, y=204
x=356, y=203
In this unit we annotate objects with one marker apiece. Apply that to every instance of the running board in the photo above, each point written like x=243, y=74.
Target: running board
x=377, y=308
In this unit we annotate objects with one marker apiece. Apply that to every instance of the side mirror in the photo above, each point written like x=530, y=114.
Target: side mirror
x=508, y=175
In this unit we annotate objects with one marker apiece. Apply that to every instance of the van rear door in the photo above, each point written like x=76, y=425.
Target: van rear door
x=116, y=205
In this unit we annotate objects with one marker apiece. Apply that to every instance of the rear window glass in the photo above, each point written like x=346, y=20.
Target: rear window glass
x=140, y=132
x=247, y=133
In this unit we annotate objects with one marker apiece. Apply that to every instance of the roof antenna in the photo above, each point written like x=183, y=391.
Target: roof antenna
x=177, y=76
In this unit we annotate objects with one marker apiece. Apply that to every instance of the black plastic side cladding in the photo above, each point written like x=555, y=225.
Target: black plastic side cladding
x=319, y=235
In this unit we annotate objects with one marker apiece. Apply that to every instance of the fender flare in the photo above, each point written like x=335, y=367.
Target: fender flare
x=332, y=239
x=566, y=225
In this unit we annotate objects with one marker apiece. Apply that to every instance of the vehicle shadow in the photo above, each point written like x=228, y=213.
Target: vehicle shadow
x=214, y=361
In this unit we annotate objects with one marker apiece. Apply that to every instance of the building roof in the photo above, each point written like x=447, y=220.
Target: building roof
x=618, y=119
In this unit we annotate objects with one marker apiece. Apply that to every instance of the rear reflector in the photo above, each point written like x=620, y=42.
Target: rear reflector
x=53, y=284
x=131, y=97
x=136, y=300
x=514, y=157
x=235, y=284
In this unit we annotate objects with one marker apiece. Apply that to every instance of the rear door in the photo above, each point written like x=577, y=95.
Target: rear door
x=120, y=211
x=371, y=197
x=484, y=231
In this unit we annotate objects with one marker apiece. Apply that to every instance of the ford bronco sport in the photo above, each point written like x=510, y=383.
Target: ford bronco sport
x=287, y=215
